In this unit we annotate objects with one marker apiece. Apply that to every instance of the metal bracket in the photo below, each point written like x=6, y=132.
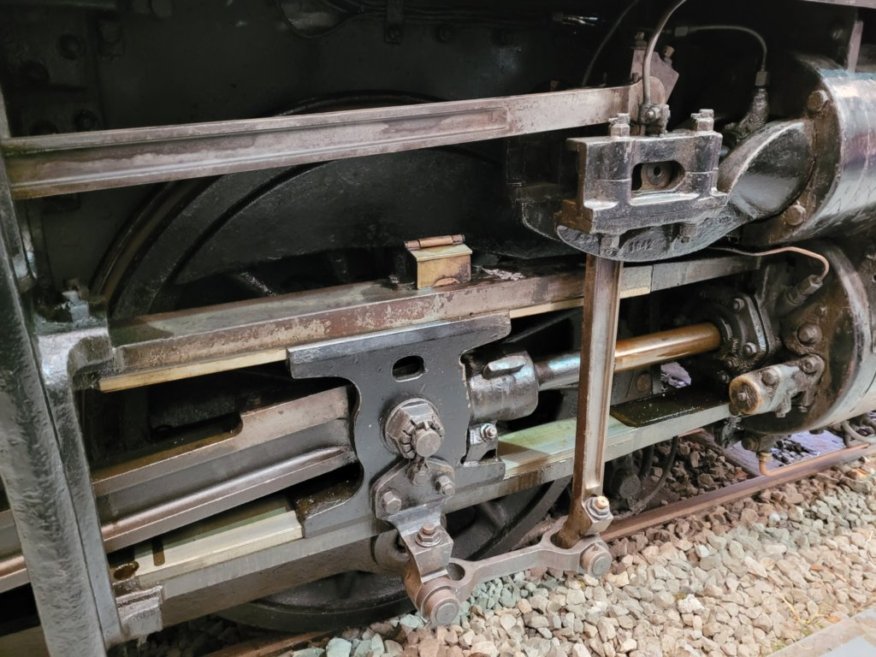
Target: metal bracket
x=372, y=364
x=436, y=586
x=419, y=484
x=440, y=261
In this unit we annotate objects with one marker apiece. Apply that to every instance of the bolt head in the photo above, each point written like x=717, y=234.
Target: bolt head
x=429, y=529
x=794, y=215
x=809, y=334
x=770, y=377
x=817, y=101
x=749, y=349
x=738, y=304
x=489, y=431
x=391, y=502
x=809, y=365
x=425, y=441
x=744, y=397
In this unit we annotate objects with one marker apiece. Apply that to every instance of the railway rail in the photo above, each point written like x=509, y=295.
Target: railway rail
x=623, y=527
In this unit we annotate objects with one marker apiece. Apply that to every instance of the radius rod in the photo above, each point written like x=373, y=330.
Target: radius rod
x=48, y=165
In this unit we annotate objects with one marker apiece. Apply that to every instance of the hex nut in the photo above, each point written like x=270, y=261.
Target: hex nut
x=413, y=429
x=489, y=431
x=598, y=510
x=445, y=485
x=391, y=502
x=429, y=535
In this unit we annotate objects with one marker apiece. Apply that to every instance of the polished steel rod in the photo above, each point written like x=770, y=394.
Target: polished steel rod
x=49, y=165
x=633, y=353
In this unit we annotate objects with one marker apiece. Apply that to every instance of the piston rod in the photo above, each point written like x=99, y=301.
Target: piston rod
x=633, y=353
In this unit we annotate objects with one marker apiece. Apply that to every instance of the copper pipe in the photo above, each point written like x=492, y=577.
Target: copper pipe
x=633, y=353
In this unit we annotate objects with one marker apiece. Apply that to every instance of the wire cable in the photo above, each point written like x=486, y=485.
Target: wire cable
x=642, y=503
x=736, y=28
x=825, y=265
x=608, y=35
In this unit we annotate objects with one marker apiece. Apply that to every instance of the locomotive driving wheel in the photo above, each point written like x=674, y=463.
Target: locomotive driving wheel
x=259, y=234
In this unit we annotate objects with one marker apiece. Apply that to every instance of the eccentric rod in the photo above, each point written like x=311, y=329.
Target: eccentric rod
x=632, y=353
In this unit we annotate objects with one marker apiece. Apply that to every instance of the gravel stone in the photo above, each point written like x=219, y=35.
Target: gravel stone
x=740, y=580
x=338, y=648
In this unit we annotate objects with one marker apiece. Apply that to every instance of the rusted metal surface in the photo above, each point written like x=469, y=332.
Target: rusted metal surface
x=78, y=162
x=739, y=491
x=178, y=345
x=429, y=242
x=598, y=336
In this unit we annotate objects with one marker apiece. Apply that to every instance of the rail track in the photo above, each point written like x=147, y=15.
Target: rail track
x=622, y=528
